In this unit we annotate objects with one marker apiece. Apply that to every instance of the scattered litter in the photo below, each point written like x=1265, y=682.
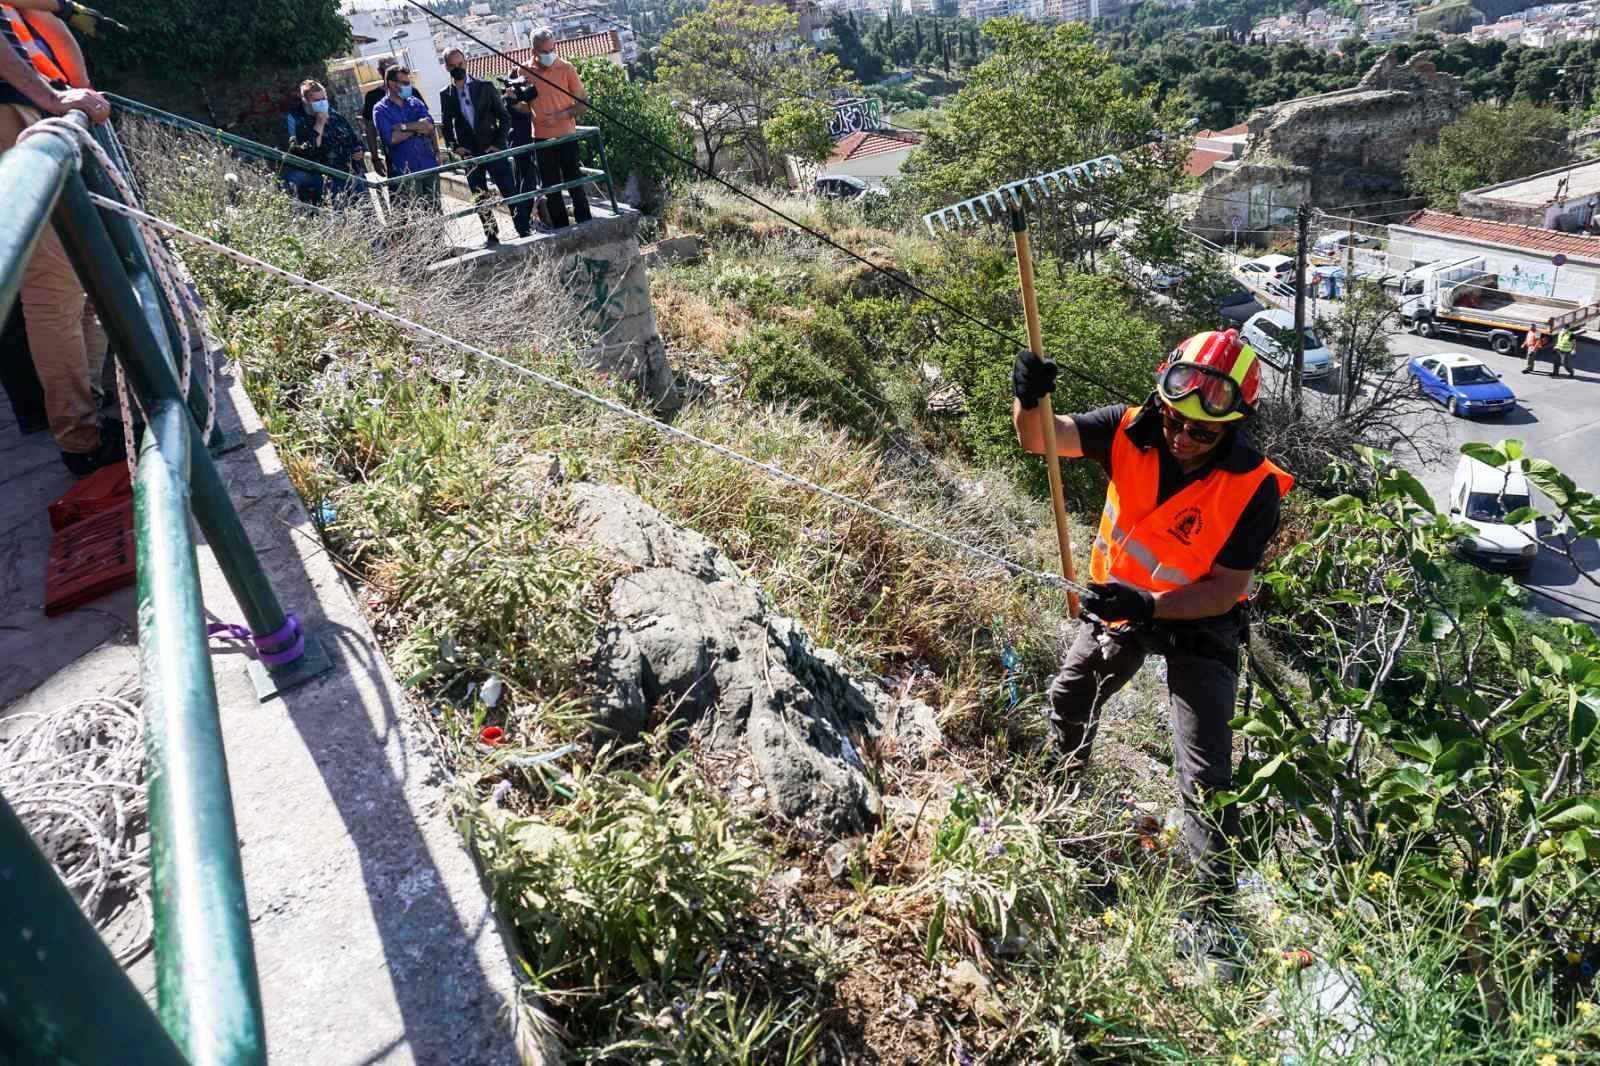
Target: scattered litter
x=1321, y=1008
x=492, y=735
x=491, y=691
x=326, y=513
x=501, y=791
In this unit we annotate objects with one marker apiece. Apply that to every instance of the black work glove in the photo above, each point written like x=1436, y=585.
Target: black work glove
x=1116, y=601
x=86, y=20
x=1032, y=378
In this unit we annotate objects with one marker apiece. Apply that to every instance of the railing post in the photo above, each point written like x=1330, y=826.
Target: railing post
x=147, y=361
x=605, y=164
x=212, y=1010
x=63, y=997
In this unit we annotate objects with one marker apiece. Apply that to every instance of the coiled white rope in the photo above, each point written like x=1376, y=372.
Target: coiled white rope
x=180, y=301
x=610, y=405
x=75, y=778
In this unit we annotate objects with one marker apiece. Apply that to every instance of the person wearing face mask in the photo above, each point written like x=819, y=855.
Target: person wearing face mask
x=556, y=109
x=475, y=123
x=519, y=97
x=405, y=126
x=319, y=133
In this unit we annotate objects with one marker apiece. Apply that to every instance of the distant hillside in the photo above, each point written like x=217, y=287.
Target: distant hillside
x=1458, y=16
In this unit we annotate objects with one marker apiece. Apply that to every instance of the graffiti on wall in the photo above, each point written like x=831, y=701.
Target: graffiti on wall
x=853, y=116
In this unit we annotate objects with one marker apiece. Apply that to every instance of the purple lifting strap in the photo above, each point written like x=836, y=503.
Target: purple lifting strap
x=291, y=635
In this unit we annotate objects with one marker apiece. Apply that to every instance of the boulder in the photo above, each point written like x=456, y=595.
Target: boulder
x=689, y=638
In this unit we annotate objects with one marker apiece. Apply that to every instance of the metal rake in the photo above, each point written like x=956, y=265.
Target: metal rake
x=998, y=202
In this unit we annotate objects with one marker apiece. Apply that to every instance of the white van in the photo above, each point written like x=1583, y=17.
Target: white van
x=1481, y=496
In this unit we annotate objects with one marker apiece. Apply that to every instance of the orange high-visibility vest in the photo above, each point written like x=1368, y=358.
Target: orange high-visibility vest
x=1164, y=547
x=37, y=52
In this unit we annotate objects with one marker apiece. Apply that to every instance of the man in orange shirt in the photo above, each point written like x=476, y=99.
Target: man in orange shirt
x=556, y=109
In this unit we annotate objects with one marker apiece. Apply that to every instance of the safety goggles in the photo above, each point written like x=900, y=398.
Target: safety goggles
x=1198, y=432
x=1218, y=393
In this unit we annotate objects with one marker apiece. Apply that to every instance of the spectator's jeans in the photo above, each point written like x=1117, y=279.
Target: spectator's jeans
x=309, y=187
x=416, y=194
x=478, y=181
x=527, y=177
x=1563, y=360
x=1202, y=683
x=69, y=348
x=557, y=164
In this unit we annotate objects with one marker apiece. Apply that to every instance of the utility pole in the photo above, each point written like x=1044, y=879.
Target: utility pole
x=1302, y=226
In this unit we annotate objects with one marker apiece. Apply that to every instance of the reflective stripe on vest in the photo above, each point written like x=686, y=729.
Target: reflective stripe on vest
x=30, y=47
x=1166, y=546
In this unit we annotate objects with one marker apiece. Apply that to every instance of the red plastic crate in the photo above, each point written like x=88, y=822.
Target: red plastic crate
x=89, y=558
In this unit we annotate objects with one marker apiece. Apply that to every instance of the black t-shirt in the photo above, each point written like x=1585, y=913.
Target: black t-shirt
x=370, y=102
x=1236, y=454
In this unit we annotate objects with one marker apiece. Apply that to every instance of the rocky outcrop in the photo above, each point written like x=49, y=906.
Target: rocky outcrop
x=691, y=639
x=1333, y=149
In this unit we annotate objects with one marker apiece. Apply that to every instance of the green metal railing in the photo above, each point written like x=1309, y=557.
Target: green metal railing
x=63, y=998
x=587, y=175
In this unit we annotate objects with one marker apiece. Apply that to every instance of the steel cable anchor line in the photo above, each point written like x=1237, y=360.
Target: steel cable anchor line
x=419, y=330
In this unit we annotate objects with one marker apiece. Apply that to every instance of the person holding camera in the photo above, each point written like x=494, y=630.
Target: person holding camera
x=475, y=123
x=519, y=97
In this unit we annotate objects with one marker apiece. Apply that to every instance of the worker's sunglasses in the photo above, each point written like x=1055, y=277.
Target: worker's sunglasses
x=1198, y=432
x=1218, y=392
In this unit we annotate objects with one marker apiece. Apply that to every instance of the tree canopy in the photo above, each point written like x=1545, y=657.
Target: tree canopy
x=740, y=74
x=202, y=39
x=632, y=117
x=1487, y=144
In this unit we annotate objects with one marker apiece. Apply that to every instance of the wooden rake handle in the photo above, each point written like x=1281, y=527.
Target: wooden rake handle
x=1047, y=418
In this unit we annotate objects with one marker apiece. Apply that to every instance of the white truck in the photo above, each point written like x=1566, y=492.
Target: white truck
x=1461, y=297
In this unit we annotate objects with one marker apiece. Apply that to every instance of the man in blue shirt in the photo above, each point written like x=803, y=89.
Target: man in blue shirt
x=405, y=126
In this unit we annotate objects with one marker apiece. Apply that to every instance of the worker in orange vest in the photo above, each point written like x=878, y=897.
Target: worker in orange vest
x=42, y=72
x=1190, y=509
x=1532, y=345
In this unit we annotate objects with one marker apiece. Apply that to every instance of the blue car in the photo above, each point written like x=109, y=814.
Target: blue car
x=1465, y=385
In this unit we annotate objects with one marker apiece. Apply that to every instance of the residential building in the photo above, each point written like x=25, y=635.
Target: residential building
x=871, y=155
x=1563, y=199
x=1521, y=256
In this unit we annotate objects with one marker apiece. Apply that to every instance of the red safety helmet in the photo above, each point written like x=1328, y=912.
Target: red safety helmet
x=1211, y=377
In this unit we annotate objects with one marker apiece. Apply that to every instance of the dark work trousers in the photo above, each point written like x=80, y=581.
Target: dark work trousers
x=17, y=375
x=557, y=164
x=478, y=181
x=1202, y=684
x=527, y=175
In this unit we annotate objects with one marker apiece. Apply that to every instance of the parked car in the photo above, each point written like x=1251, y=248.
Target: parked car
x=1463, y=383
x=1271, y=334
x=1331, y=247
x=840, y=186
x=1482, y=497
x=1235, y=303
x=1275, y=273
x=1163, y=279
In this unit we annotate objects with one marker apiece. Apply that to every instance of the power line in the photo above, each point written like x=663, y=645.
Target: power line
x=622, y=410
x=1013, y=342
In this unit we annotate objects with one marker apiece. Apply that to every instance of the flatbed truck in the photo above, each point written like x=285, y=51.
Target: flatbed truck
x=1461, y=297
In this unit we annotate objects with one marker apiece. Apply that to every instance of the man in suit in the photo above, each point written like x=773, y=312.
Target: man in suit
x=476, y=123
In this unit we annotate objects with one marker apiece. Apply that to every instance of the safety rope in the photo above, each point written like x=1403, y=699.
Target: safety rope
x=419, y=330
x=181, y=304
x=74, y=775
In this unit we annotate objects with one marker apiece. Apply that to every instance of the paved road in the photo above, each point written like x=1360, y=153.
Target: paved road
x=1558, y=420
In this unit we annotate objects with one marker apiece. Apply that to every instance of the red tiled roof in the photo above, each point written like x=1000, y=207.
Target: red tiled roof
x=1201, y=160
x=594, y=44
x=1532, y=238
x=1243, y=127
x=872, y=142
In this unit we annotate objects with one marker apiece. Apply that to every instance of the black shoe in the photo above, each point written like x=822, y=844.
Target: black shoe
x=1527, y=370
x=525, y=232
x=492, y=240
x=111, y=450
x=32, y=424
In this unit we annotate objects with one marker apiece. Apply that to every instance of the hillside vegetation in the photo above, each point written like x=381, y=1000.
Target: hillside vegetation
x=1414, y=749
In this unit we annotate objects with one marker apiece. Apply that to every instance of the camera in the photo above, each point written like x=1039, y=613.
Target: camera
x=518, y=85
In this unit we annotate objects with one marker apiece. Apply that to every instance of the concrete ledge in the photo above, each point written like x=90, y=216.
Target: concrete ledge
x=373, y=936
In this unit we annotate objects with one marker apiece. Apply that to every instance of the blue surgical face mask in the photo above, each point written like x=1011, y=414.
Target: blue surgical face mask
x=320, y=106
x=546, y=58
x=405, y=92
